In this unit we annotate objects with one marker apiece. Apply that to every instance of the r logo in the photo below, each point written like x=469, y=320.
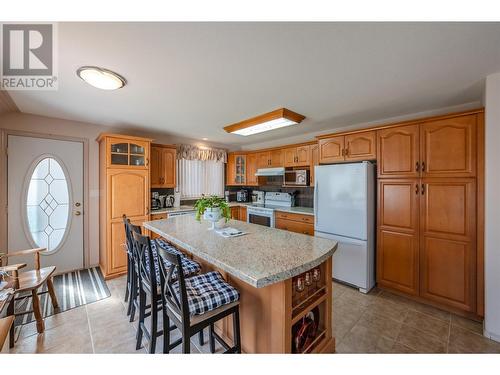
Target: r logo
x=27, y=50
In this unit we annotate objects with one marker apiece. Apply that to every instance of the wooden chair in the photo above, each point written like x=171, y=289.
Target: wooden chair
x=31, y=281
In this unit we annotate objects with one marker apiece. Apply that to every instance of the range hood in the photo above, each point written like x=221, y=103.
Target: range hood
x=270, y=172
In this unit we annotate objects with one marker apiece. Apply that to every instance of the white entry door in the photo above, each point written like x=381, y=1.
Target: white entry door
x=45, y=200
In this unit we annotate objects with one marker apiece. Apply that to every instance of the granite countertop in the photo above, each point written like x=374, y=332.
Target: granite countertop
x=261, y=257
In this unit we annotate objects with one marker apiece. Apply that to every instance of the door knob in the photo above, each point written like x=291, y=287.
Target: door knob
x=78, y=204
x=78, y=213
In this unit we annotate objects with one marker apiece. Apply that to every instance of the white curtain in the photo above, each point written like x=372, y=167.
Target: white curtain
x=197, y=177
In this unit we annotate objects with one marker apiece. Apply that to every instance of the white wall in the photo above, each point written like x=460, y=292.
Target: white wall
x=492, y=205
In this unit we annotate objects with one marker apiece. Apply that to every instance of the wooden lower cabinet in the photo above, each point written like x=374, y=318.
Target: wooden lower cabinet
x=239, y=213
x=398, y=261
x=448, y=238
x=297, y=223
x=157, y=217
x=426, y=240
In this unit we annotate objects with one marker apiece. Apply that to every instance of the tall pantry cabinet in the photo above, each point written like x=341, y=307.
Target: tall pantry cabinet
x=427, y=211
x=124, y=189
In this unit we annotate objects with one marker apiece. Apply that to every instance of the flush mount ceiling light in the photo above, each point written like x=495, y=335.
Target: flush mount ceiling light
x=101, y=78
x=268, y=121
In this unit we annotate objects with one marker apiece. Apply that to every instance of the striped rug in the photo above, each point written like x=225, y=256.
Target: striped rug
x=73, y=289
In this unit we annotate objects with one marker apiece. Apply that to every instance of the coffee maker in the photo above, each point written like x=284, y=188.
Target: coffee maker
x=155, y=201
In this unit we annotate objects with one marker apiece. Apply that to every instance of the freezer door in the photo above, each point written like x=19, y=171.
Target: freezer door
x=340, y=199
x=353, y=262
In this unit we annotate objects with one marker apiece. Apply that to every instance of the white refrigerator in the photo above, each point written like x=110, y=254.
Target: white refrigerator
x=344, y=209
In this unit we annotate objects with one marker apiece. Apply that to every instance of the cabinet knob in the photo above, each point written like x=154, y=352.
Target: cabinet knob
x=416, y=188
x=423, y=166
x=423, y=189
x=417, y=167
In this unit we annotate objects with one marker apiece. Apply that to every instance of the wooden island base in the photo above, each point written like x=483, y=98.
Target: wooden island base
x=268, y=314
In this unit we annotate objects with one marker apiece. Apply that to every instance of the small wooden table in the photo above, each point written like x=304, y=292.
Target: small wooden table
x=7, y=312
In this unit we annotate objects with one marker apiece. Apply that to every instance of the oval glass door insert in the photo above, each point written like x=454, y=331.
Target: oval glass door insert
x=47, y=204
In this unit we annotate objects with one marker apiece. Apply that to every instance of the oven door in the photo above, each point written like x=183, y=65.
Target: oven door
x=260, y=218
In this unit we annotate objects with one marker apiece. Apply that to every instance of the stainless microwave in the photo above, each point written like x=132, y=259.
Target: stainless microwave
x=297, y=177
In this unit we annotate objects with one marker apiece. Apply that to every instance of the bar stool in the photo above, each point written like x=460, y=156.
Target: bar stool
x=196, y=303
x=148, y=271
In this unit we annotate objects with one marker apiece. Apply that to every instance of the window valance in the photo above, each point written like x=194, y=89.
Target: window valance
x=191, y=152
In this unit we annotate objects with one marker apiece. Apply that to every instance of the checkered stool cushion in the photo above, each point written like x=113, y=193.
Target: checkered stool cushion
x=207, y=292
x=189, y=266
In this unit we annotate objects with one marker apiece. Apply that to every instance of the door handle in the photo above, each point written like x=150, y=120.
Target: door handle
x=78, y=213
x=416, y=188
x=417, y=166
x=423, y=166
x=147, y=210
x=78, y=204
x=423, y=189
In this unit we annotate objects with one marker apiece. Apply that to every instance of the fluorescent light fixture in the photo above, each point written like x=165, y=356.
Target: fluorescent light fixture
x=269, y=121
x=101, y=78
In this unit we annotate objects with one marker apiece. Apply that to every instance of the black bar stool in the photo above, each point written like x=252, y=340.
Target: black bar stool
x=196, y=303
x=148, y=271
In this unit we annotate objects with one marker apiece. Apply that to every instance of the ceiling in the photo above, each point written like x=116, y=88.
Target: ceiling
x=192, y=79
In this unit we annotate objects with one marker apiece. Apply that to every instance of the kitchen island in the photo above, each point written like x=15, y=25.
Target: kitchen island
x=265, y=265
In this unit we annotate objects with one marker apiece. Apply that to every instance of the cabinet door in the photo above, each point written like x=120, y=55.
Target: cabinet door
x=235, y=213
x=243, y=213
x=290, y=155
x=295, y=226
x=331, y=150
x=156, y=167
x=360, y=146
x=263, y=160
x=448, y=147
x=398, y=152
x=303, y=155
x=448, y=237
x=240, y=169
x=398, y=236
x=128, y=193
x=314, y=162
x=276, y=158
x=169, y=164
x=118, y=254
x=252, y=179
x=230, y=170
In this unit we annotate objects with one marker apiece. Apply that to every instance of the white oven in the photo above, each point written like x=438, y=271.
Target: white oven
x=260, y=215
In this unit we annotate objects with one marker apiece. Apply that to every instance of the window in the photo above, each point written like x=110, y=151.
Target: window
x=47, y=204
x=197, y=177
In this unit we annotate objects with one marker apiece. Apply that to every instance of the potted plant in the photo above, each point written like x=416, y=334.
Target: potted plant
x=213, y=208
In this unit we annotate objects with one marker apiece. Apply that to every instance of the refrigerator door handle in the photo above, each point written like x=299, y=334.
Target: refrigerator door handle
x=316, y=202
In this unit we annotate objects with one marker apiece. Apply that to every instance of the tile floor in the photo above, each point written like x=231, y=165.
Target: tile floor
x=379, y=322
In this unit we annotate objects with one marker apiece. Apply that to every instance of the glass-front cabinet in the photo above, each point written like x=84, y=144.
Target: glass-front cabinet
x=128, y=153
x=241, y=169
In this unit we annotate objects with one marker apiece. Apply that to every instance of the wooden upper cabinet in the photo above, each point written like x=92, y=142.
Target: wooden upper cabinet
x=163, y=166
x=331, y=150
x=448, y=242
x=236, y=169
x=126, y=152
x=230, y=170
x=289, y=156
x=252, y=179
x=276, y=158
x=398, y=152
x=360, y=146
x=263, y=159
x=314, y=162
x=398, y=235
x=297, y=156
x=270, y=159
x=448, y=147
x=156, y=161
